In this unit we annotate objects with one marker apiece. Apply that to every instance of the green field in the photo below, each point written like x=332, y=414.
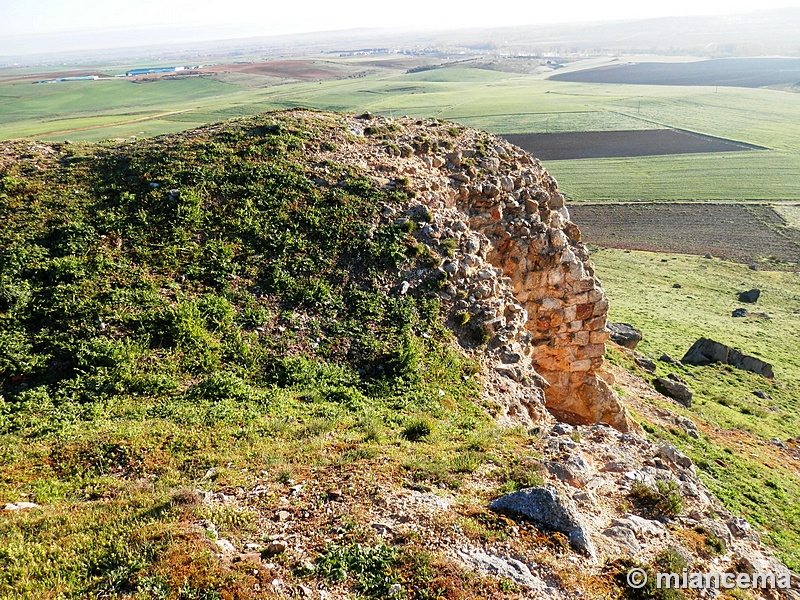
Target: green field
x=495, y=101
x=791, y=213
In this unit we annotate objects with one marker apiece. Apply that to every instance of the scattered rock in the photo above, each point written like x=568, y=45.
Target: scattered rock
x=673, y=455
x=251, y=557
x=20, y=506
x=562, y=429
x=335, y=495
x=546, y=508
x=705, y=351
x=741, y=529
x=761, y=394
x=750, y=296
x=719, y=529
x=567, y=471
x=669, y=360
x=740, y=312
x=675, y=390
x=625, y=334
x=508, y=568
x=617, y=466
x=225, y=546
x=283, y=515
x=644, y=529
x=625, y=537
x=276, y=547
x=646, y=364
x=677, y=286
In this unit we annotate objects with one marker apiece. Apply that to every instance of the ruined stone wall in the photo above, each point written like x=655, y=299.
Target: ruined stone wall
x=517, y=206
x=538, y=297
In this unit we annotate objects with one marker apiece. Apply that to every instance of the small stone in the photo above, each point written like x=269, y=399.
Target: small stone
x=454, y=158
x=673, y=455
x=225, y=546
x=283, y=515
x=740, y=312
x=251, y=557
x=646, y=364
x=669, y=360
x=761, y=394
x=20, y=506
x=625, y=537
x=677, y=286
x=277, y=547
x=335, y=495
x=625, y=334
x=306, y=591
x=562, y=429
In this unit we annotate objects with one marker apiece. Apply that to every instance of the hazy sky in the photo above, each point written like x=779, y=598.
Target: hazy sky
x=22, y=18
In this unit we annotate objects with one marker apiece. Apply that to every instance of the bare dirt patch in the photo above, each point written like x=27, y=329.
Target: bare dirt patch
x=744, y=233
x=618, y=144
x=292, y=69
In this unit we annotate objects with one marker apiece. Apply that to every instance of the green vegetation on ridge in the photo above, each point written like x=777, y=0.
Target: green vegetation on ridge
x=195, y=303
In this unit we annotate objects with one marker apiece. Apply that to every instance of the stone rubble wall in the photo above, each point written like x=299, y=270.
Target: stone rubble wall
x=520, y=259
x=518, y=207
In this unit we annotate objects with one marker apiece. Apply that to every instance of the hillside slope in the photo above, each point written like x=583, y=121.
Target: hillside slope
x=297, y=355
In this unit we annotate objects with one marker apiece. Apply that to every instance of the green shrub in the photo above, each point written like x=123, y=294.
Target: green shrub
x=371, y=568
x=663, y=498
x=416, y=428
x=462, y=318
x=468, y=461
x=221, y=386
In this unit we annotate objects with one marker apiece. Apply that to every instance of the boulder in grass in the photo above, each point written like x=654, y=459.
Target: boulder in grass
x=750, y=296
x=625, y=334
x=705, y=351
x=676, y=390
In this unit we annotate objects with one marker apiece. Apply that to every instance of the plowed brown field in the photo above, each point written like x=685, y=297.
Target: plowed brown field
x=615, y=144
x=740, y=232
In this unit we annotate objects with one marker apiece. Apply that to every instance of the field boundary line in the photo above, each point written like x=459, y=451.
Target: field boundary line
x=128, y=122
x=696, y=133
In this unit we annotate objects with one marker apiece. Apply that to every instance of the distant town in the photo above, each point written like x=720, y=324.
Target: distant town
x=130, y=73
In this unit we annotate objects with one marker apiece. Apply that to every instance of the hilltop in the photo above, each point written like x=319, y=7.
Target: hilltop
x=299, y=354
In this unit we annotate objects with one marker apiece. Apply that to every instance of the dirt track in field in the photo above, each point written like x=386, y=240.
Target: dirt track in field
x=745, y=233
